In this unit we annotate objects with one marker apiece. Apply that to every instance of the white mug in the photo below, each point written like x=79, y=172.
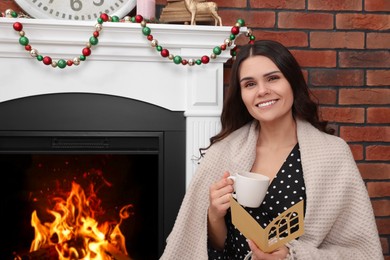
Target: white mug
x=250, y=188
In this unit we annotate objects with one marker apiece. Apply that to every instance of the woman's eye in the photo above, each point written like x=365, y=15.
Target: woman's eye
x=249, y=84
x=271, y=78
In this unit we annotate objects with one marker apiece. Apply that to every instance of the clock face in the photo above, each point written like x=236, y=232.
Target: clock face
x=76, y=9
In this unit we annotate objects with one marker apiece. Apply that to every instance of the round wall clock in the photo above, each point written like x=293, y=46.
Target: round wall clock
x=76, y=9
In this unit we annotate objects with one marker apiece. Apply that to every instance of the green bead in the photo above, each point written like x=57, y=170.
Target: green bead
x=133, y=19
x=177, y=60
x=93, y=40
x=23, y=40
x=232, y=37
x=198, y=62
x=61, y=63
x=40, y=57
x=14, y=14
x=159, y=48
x=114, y=19
x=146, y=31
x=217, y=50
x=233, y=53
x=82, y=57
x=241, y=22
x=100, y=20
x=252, y=37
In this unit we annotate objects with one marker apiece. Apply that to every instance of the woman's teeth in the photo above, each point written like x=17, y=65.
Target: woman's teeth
x=266, y=103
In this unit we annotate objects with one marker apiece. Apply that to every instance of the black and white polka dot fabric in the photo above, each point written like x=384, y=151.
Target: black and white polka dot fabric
x=286, y=189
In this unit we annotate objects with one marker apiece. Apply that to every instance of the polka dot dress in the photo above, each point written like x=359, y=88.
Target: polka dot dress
x=286, y=189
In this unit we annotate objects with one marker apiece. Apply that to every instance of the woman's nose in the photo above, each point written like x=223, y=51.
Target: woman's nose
x=262, y=89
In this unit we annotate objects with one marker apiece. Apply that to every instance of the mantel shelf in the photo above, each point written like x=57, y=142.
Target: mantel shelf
x=117, y=41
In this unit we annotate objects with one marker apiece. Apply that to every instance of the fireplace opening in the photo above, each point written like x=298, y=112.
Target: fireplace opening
x=118, y=179
x=135, y=158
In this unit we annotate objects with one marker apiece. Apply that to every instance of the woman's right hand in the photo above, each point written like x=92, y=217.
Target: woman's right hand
x=219, y=195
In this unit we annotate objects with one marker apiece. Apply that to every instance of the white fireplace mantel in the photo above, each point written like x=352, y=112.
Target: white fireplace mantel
x=122, y=64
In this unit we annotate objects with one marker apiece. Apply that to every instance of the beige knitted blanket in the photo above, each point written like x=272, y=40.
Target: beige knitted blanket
x=339, y=220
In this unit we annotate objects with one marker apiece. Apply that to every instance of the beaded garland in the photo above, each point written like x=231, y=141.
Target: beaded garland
x=146, y=31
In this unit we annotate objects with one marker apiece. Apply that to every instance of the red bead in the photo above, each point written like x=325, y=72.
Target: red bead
x=69, y=62
x=86, y=51
x=139, y=18
x=184, y=62
x=104, y=17
x=18, y=26
x=95, y=34
x=150, y=37
x=27, y=47
x=251, y=42
x=164, y=53
x=223, y=47
x=205, y=59
x=235, y=30
x=46, y=60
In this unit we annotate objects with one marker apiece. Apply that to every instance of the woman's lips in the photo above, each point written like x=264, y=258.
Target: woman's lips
x=266, y=103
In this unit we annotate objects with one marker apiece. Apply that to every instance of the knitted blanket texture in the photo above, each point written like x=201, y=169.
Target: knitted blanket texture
x=339, y=220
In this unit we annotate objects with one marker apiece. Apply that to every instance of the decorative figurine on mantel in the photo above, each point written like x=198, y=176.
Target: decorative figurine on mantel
x=191, y=12
x=203, y=7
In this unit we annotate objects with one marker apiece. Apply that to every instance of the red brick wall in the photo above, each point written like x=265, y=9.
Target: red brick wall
x=344, y=49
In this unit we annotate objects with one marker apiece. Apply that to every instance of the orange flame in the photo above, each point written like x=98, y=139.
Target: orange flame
x=75, y=233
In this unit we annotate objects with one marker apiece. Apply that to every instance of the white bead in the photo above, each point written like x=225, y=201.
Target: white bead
x=8, y=13
x=98, y=27
x=228, y=42
x=34, y=53
x=154, y=43
x=76, y=61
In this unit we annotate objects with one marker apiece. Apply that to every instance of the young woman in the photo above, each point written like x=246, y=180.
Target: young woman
x=271, y=126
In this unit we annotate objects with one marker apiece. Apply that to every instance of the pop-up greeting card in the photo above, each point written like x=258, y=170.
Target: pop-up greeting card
x=286, y=227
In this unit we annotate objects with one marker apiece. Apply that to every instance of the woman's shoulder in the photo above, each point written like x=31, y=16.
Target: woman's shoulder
x=239, y=135
x=307, y=131
x=237, y=139
x=314, y=142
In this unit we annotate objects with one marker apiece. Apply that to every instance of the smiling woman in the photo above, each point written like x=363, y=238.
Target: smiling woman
x=270, y=126
x=75, y=9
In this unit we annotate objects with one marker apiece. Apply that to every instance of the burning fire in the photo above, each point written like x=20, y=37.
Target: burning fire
x=75, y=233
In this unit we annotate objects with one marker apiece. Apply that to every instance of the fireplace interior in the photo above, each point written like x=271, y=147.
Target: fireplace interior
x=131, y=152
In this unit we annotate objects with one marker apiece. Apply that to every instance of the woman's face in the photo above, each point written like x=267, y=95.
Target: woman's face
x=265, y=91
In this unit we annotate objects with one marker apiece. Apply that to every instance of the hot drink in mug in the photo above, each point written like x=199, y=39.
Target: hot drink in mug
x=250, y=188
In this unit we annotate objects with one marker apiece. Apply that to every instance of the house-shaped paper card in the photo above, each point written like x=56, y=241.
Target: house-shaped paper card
x=286, y=227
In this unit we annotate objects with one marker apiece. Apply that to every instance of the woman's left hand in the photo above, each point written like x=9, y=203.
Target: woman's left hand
x=278, y=254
